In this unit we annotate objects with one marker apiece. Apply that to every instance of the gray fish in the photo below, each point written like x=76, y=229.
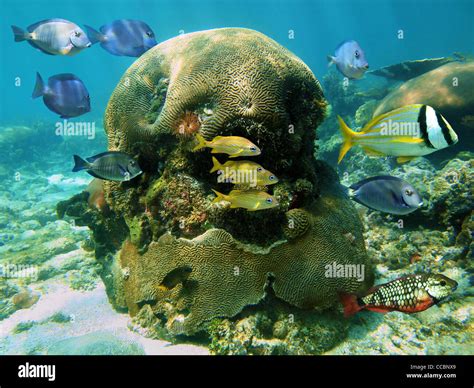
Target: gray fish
x=65, y=94
x=387, y=194
x=54, y=37
x=349, y=59
x=124, y=37
x=111, y=165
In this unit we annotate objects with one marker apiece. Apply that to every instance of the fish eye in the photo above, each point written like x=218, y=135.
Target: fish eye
x=253, y=149
x=132, y=163
x=77, y=34
x=408, y=192
x=442, y=283
x=149, y=34
x=357, y=54
x=269, y=200
x=272, y=177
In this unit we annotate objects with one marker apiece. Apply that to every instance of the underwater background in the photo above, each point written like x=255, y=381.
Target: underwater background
x=65, y=308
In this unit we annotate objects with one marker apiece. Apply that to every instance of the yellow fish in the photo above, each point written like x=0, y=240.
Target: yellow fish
x=233, y=145
x=243, y=172
x=251, y=200
x=407, y=132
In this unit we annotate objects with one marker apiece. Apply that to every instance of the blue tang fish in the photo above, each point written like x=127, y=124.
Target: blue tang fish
x=387, y=194
x=349, y=59
x=54, y=37
x=65, y=94
x=124, y=37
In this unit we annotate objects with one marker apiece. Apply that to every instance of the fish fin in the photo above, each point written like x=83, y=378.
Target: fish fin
x=33, y=44
x=371, y=152
x=94, y=35
x=64, y=117
x=79, y=164
x=220, y=196
x=216, y=166
x=92, y=159
x=19, y=34
x=65, y=50
x=39, y=89
x=379, y=310
x=404, y=159
x=348, y=137
x=359, y=184
x=331, y=60
x=350, y=304
x=202, y=143
x=237, y=154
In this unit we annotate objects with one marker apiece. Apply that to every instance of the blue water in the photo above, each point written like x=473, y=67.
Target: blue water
x=431, y=28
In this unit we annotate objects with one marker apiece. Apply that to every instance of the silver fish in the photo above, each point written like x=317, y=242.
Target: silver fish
x=111, y=165
x=54, y=37
x=349, y=59
x=387, y=194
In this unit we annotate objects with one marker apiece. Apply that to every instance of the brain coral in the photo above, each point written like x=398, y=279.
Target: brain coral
x=229, y=81
x=228, y=275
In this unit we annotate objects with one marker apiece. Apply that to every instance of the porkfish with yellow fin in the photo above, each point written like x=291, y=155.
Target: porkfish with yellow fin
x=406, y=133
x=243, y=172
x=234, y=146
x=252, y=200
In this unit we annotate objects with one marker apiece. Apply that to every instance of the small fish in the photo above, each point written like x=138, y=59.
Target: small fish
x=54, y=37
x=124, y=37
x=409, y=294
x=111, y=165
x=407, y=132
x=243, y=172
x=386, y=193
x=252, y=200
x=65, y=94
x=175, y=277
x=349, y=59
x=234, y=146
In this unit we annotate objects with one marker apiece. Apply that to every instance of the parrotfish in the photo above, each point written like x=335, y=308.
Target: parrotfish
x=243, y=172
x=407, y=132
x=349, y=59
x=124, y=37
x=252, y=200
x=65, y=94
x=111, y=165
x=175, y=277
x=386, y=193
x=54, y=37
x=409, y=294
x=234, y=146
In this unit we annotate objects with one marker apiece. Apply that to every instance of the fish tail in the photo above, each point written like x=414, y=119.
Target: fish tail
x=79, y=164
x=202, y=143
x=19, y=34
x=350, y=304
x=39, y=86
x=216, y=166
x=348, y=136
x=93, y=35
x=220, y=196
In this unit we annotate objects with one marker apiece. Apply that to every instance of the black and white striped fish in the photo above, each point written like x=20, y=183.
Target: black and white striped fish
x=407, y=132
x=111, y=165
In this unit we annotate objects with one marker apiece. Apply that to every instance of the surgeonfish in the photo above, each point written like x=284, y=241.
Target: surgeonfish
x=407, y=132
x=64, y=94
x=234, y=146
x=408, y=294
x=54, y=37
x=243, y=172
x=111, y=165
x=252, y=200
x=387, y=194
x=349, y=59
x=175, y=277
x=124, y=37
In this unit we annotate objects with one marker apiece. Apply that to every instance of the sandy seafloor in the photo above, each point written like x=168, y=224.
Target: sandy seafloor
x=70, y=313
